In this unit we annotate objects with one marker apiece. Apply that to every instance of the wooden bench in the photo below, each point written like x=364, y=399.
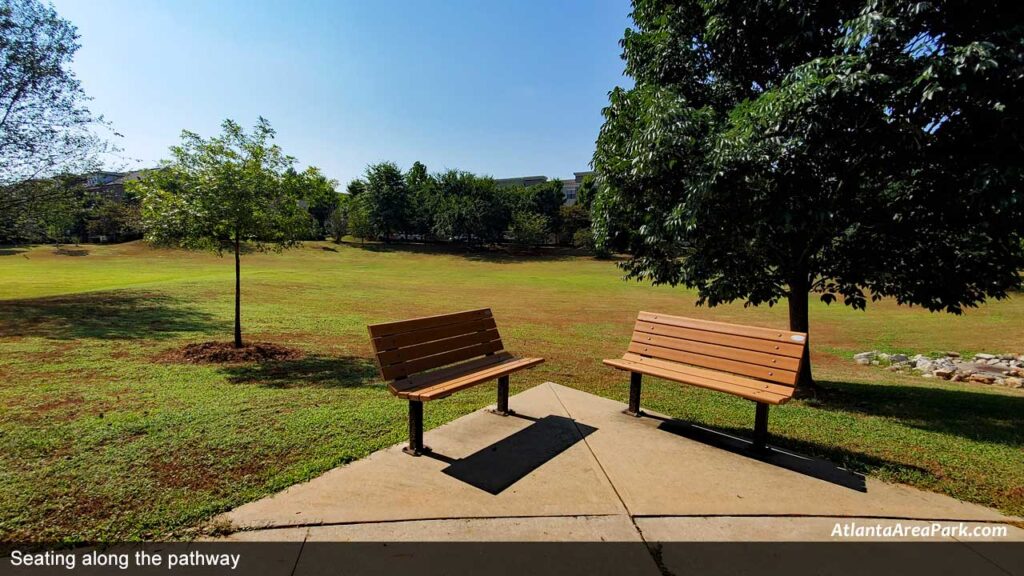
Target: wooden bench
x=430, y=358
x=759, y=364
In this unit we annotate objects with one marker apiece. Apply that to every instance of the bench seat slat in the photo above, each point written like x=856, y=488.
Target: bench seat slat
x=427, y=322
x=791, y=350
x=761, y=372
x=715, y=350
x=724, y=377
x=725, y=328
x=428, y=378
x=750, y=393
x=436, y=385
x=430, y=334
x=438, y=360
x=409, y=353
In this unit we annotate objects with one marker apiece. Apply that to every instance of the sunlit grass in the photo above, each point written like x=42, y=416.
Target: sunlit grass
x=99, y=440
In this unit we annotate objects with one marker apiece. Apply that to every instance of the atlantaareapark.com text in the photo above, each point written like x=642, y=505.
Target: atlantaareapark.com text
x=933, y=530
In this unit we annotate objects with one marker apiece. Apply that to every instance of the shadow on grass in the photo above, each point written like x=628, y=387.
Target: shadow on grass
x=66, y=251
x=12, y=251
x=967, y=413
x=312, y=371
x=122, y=314
x=492, y=254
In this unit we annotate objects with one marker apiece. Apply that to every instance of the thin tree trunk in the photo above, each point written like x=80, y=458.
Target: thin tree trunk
x=238, y=294
x=799, y=321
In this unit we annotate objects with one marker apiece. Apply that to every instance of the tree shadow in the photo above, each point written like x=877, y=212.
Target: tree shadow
x=309, y=372
x=66, y=251
x=12, y=251
x=491, y=254
x=966, y=413
x=121, y=314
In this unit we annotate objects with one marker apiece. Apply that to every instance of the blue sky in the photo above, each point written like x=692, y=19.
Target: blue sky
x=507, y=88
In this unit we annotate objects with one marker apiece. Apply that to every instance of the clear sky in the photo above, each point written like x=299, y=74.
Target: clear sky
x=507, y=88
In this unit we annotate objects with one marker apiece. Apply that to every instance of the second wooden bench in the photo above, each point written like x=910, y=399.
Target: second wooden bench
x=759, y=364
x=434, y=357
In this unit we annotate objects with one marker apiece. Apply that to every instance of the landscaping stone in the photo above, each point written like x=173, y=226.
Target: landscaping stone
x=982, y=368
x=864, y=358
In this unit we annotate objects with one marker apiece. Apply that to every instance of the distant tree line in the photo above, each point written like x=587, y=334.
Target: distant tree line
x=456, y=206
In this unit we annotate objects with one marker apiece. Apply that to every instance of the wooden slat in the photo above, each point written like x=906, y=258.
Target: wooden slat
x=399, y=355
x=438, y=360
x=703, y=373
x=725, y=328
x=401, y=387
x=734, y=366
x=791, y=350
x=449, y=387
x=426, y=322
x=431, y=334
x=764, y=396
x=705, y=349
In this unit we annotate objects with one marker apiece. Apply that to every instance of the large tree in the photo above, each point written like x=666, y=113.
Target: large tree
x=387, y=199
x=222, y=193
x=46, y=129
x=856, y=150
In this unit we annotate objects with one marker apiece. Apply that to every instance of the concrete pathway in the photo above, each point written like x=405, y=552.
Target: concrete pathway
x=571, y=467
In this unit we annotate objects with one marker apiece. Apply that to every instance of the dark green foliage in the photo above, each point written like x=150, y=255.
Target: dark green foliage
x=387, y=199
x=572, y=219
x=528, y=228
x=46, y=130
x=320, y=196
x=468, y=208
x=857, y=150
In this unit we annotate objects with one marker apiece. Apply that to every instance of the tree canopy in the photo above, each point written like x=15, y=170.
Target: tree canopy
x=221, y=192
x=853, y=149
x=46, y=130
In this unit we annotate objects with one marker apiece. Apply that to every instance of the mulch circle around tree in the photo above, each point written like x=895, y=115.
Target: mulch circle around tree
x=226, y=353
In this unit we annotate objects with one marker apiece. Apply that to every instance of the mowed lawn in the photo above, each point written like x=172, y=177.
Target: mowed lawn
x=101, y=439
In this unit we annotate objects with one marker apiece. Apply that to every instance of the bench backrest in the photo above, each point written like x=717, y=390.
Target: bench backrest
x=755, y=352
x=411, y=346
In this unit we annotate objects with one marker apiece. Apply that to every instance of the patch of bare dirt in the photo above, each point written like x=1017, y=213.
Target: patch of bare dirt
x=226, y=353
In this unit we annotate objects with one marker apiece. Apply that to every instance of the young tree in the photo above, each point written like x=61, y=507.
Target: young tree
x=852, y=149
x=46, y=130
x=337, y=222
x=320, y=194
x=222, y=192
x=359, y=224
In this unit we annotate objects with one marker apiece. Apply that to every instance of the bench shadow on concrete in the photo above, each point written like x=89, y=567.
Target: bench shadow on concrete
x=792, y=461
x=509, y=460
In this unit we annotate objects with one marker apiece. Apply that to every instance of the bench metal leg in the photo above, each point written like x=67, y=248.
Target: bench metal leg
x=761, y=428
x=501, y=408
x=416, y=447
x=634, y=394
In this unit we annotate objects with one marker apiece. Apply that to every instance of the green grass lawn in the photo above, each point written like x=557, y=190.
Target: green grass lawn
x=99, y=439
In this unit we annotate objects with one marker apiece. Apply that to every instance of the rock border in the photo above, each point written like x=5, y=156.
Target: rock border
x=994, y=369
